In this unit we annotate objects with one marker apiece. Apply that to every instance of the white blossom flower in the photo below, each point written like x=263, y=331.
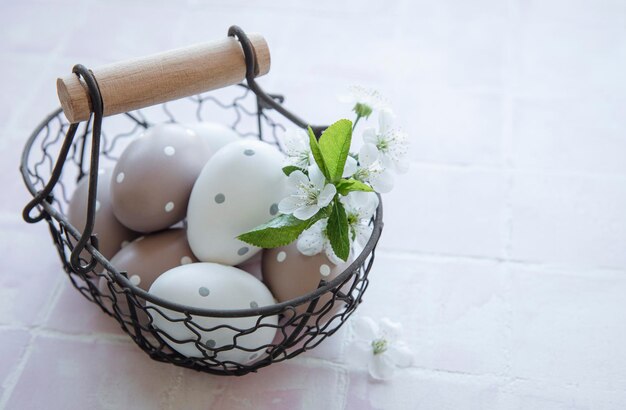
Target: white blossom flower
x=391, y=143
x=360, y=207
x=371, y=171
x=350, y=167
x=309, y=194
x=315, y=240
x=297, y=148
x=381, y=341
x=366, y=96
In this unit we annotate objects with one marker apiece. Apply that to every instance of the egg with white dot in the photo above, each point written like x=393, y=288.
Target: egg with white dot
x=290, y=274
x=234, y=193
x=110, y=232
x=216, y=135
x=154, y=177
x=145, y=259
x=213, y=286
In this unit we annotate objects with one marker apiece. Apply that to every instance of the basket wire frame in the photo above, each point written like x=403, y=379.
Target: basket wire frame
x=253, y=114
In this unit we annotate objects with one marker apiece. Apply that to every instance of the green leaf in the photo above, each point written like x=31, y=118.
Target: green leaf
x=290, y=168
x=337, y=230
x=280, y=231
x=334, y=145
x=317, y=154
x=346, y=186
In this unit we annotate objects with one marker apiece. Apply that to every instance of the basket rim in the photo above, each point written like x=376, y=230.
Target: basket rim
x=126, y=285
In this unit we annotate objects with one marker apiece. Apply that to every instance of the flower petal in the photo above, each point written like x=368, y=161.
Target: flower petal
x=370, y=136
x=330, y=254
x=400, y=354
x=306, y=212
x=289, y=205
x=327, y=195
x=368, y=154
x=364, y=327
x=350, y=167
x=381, y=367
x=363, y=233
x=363, y=203
x=382, y=182
x=370, y=204
x=386, y=161
x=295, y=141
x=296, y=178
x=385, y=120
x=311, y=241
x=315, y=175
x=390, y=329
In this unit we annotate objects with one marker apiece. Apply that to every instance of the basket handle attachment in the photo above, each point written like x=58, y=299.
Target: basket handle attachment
x=252, y=68
x=45, y=194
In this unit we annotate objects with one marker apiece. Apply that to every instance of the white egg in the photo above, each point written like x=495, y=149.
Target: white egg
x=217, y=135
x=213, y=286
x=238, y=189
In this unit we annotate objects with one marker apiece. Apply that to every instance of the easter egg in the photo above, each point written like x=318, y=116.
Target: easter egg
x=216, y=135
x=154, y=176
x=290, y=274
x=237, y=190
x=144, y=260
x=253, y=266
x=110, y=232
x=213, y=286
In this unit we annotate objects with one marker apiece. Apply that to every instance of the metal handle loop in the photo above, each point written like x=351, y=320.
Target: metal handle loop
x=98, y=108
x=46, y=193
x=251, y=72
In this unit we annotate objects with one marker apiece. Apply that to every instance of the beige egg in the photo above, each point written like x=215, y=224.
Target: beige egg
x=145, y=259
x=110, y=232
x=153, y=178
x=290, y=274
x=217, y=135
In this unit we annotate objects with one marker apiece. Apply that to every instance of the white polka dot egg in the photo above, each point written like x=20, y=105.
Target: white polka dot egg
x=237, y=190
x=213, y=286
x=154, y=177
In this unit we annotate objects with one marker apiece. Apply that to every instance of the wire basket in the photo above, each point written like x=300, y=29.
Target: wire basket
x=252, y=114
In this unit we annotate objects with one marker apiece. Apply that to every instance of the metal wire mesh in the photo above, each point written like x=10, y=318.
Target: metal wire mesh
x=301, y=324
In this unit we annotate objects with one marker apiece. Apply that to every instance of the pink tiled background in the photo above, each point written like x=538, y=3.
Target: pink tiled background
x=504, y=251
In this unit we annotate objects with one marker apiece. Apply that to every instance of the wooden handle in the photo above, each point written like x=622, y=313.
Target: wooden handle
x=146, y=81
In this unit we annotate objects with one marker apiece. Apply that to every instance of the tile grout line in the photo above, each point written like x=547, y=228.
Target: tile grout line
x=448, y=257
x=16, y=374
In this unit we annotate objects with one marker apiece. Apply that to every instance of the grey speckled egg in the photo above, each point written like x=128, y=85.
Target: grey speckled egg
x=146, y=258
x=110, y=232
x=154, y=176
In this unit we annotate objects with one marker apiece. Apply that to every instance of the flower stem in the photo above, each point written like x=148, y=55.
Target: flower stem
x=358, y=117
